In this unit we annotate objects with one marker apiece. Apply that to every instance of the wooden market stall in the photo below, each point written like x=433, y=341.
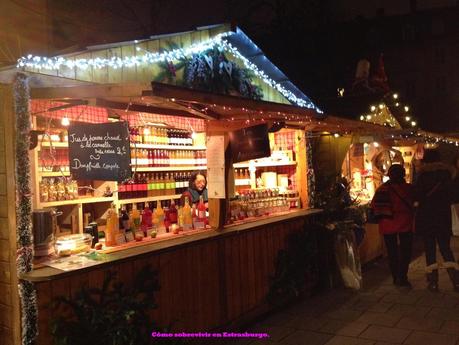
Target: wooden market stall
x=211, y=275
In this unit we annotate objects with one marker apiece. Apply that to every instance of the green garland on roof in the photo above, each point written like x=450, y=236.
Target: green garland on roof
x=210, y=71
x=24, y=259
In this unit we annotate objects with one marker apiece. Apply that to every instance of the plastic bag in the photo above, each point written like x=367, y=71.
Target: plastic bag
x=455, y=219
x=348, y=260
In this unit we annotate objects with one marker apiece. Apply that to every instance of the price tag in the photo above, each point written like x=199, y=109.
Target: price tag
x=120, y=239
x=129, y=236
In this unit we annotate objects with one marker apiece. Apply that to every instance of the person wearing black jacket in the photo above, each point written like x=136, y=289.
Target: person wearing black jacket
x=434, y=194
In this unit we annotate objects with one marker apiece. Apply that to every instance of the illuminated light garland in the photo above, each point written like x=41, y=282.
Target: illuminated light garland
x=54, y=63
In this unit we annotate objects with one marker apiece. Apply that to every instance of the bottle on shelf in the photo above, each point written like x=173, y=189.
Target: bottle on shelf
x=146, y=219
x=201, y=219
x=172, y=214
x=52, y=192
x=125, y=224
x=158, y=218
x=134, y=217
x=187, y=216
x=144, y=186
x=43, y=190
x=112, y=227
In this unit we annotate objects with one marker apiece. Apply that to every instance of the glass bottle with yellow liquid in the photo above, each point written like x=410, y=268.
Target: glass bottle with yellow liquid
x=187, y=216
x=158, y=219
x=112, y=227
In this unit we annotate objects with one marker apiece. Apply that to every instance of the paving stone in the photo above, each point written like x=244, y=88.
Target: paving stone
x=427, y=338
x=344, y=314
x=391, y=335
x=341, y=340
x=380, y=307
x=420, y=324
x=344, y=328
x=450, y=327
x=306, y=338
x=278, y=319
x=401, y=298
x=276, y=333
x=381, y=319
x=447, y=314
x=307, y=323
x=438, y=300
x=408, y=310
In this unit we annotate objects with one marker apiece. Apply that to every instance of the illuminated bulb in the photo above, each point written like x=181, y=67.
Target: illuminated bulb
x=375, y=144
x=381, y=106
x=368, y=117
x=395, y=96
x=407, y=118
x=407, y=108
x=193, y=135
x=413, y=123
x=336, y=135
x=146, y=131
x=65, y=121
x=373, y=108
x=397, y=104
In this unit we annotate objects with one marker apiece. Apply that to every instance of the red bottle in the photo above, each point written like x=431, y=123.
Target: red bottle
x=202, y=210
x=172, y=213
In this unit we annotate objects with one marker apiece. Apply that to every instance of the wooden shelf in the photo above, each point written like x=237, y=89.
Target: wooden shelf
x=261, y=165
x=56, y=144
x=149, y=198
x=59, y=144
x=154, y=169
x=242, y=182
x=167, y=147
x=53, y=173
x=82, y=200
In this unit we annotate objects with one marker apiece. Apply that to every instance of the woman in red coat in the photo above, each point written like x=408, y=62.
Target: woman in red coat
x=394, y=201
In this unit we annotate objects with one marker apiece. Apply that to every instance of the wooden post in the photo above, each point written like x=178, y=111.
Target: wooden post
x=302, y=167
x=10, y=329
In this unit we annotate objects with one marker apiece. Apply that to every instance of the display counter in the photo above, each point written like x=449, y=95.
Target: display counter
x=217, y=278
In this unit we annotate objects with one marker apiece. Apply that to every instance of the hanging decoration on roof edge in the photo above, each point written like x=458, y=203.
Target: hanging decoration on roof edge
x=211, y=71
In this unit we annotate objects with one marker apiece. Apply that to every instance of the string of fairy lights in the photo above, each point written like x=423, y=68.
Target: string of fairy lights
x=378, y=114
x=381, y=114
x=219, y=41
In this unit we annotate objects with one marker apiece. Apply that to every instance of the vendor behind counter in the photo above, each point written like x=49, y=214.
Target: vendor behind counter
x=197, y=187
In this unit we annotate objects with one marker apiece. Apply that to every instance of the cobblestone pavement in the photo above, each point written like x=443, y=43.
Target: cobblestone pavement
x=376, y=315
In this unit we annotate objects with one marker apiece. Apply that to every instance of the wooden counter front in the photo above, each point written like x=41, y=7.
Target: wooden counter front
x=208, y=280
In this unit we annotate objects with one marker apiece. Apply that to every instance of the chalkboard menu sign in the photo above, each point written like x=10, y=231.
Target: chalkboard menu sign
x=100, y=151
x=250, y=143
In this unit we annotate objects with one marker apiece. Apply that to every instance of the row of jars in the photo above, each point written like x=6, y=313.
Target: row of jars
x=57, y=189
x=167, y=158
x=161, y=136
x=253, y=203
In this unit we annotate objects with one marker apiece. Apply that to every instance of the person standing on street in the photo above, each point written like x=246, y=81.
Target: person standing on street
x=395, y=199
x=434, y=194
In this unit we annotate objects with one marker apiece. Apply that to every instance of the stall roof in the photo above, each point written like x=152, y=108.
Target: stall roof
x=138, y=54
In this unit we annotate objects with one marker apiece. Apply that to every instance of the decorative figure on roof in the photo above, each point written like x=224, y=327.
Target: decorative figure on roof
x=362, y=73
x=379, y=78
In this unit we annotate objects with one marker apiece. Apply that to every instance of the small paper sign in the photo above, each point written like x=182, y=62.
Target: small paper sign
x=129, y=236
x=120, y=239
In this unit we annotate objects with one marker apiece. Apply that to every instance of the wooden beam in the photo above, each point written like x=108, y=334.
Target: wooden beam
x=100, y=102
x=90, y=91
x=196, y=96
x=209, y=115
